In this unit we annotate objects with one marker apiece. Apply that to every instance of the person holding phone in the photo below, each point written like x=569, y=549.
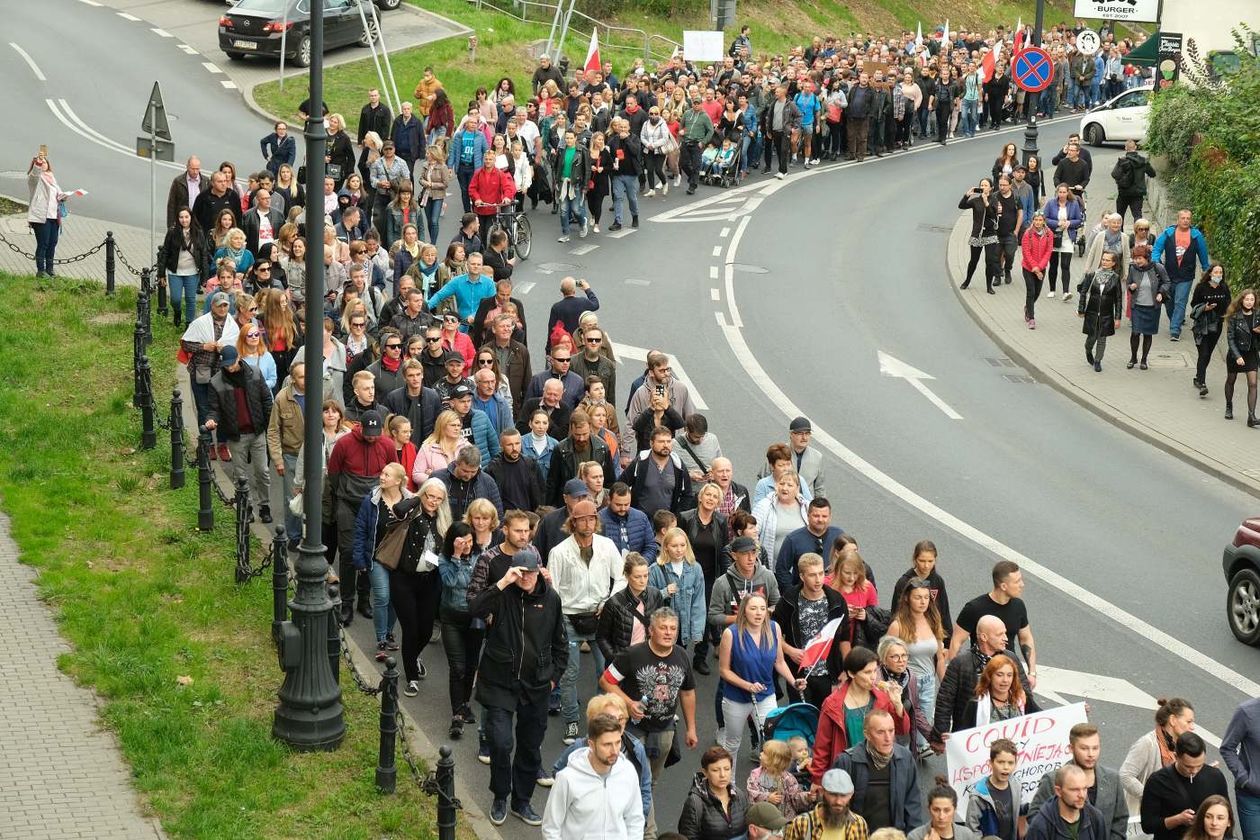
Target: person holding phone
x=985, y=209
x=44, y=212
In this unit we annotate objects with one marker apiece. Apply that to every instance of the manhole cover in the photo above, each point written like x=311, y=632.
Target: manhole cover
x=558, y=266
x=751, y=269
x=1174, y=361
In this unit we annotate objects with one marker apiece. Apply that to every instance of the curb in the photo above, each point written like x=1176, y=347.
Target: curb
x=1112, y=414
x=251, y=103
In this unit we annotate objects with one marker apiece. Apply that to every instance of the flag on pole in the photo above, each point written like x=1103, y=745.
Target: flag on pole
x=592, y=54
x=990, y=61
x=945, y=37
x=817, y=649
x=918, y=35
x=1019, y=39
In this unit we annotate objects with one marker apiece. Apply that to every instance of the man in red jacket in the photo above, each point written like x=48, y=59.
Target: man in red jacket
x=354, y=467
x=1037, y=245
x=489, y=189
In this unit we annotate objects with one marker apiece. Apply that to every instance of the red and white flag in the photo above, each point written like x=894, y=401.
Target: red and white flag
x=592, y=54
x=817, y=648
x=990, y=61
x=1020, y=38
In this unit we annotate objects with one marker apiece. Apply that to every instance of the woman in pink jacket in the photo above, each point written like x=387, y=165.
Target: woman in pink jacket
x=439, y=449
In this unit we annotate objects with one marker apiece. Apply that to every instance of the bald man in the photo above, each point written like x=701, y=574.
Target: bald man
x=959, y=685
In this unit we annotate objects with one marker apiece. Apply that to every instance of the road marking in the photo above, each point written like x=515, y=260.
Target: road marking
x=635, y=281
x=1104, y=608
x=725, y=232
x=90, y=3
x=523, y=288
x=888, y=366
x=211, y=66
x=228, y=85
x=161, y=33
x=629, y=351
x=583, y=250
x=126, y=16
x=187, y=49
x=715, y=294
x=713, y=272
x=84, y=131
x=39, y=74
x=717, y=250
x=618, y=234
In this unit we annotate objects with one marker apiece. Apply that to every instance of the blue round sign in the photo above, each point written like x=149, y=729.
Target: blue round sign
x=1032, y=69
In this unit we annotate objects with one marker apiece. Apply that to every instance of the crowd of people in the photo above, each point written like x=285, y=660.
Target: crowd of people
x=540, y=521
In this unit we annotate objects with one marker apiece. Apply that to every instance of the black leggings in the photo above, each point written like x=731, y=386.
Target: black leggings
x=992, y=264
x=1206, y=346
x=1096, y=345
x=462, y=644
x=655, y=168
x=1133, y=346
x=415, y=601
x=1065, y=259
x=1032, y=289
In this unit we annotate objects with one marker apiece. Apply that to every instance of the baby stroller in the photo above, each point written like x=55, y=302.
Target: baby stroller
x=719, y=165
x=793, y=720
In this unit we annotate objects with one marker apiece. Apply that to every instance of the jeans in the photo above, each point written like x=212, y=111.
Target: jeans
x=575, y=206
x=435, y=134
x=1095, y=91
x=292, y=524
x=568, y=681
x=514, y=767
x=465, y=174
x=383, y=616
x=463, y=646
x=1248, y=814
x=927, y=688
x=201, y=398
x=970, y=116
x=253, y=448
x=1177, y=306
x=736, y=715
x=46, y=235
x=183, y=287
x=414, y=599
x=625, y=186
x=433, y=215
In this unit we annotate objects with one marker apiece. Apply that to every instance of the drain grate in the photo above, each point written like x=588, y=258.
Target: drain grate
x=999, y=361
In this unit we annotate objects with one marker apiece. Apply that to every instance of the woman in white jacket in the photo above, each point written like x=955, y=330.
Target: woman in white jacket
x=656, y=139
x=44, y=213
x=597, y=796
x=781, y=514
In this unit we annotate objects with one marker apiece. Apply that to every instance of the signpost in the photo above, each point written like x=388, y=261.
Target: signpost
x=156, y=146
x=1032, y=69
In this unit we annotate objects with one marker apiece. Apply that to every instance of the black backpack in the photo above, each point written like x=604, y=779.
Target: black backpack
x=1128, y=175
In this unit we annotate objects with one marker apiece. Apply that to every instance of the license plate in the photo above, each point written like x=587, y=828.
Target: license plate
x=245, y=45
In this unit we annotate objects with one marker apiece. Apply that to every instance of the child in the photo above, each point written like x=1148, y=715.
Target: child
x=772, y=782
x=993, y=804
x=707, y=159
x=662, y=522
x=849, y=579
x=726, y=156
x=801, y=757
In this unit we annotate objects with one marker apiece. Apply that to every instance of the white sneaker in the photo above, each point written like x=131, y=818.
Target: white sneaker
x=649, y=193
x=1067, y=296
x=563, y=239
x=807, y=163
x=665, y=188
x=1050, y=294
x=814, y=161
x=677, y=180
x=585, y=228
x=595, y=228
x=779, y=175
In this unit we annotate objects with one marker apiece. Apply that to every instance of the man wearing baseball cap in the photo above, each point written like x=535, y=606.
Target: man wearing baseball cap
x=806, y=459
x=831, y=816
x=239, y=410
x=764, y=821
x=478, y=430
x=550, y=532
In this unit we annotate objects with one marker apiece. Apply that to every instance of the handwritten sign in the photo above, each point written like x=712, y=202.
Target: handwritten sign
x=1042, y=741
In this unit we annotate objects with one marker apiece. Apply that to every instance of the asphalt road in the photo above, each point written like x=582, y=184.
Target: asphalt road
x=1120, y=543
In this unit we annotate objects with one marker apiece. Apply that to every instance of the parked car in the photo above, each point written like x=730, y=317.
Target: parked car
x=258, y=27
x=1122, y=118
x=1241, y=564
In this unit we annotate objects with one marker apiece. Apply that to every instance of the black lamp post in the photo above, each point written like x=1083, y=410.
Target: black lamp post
x=309, y=715
x=1030, y=132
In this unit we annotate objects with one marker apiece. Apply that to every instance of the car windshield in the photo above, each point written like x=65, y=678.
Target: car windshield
x=276, y=6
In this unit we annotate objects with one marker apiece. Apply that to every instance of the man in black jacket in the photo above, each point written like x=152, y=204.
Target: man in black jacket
x=236, y=386
x=418, y=403
x=496, y=259
x=518, y=478
x=579, y=446
x=959, y=686
x=375, y=116
x=1130, y=174
x=657, y=478
x=221, y=196
x=1173, y=794
x=262, y=223
x=483, y=324
x=802, y=613
x=627, y=154
x=526, y=650
x=182, y=188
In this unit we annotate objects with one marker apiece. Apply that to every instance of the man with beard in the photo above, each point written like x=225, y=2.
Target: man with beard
x=1069, y=813
x=1102, y=784
x=831, y=816
x=518, y=478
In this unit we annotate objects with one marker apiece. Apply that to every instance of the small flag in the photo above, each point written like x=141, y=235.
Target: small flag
x=990, y=60
x=592, y=54
x=817, y=649
x=1019, y=38
x=918, y=35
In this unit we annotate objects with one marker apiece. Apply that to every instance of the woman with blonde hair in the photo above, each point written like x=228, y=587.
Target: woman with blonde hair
x=440, y=448
x=234, y=249
x=433, y=178
x=380, y=509
x=482, y=516
x=850, y=580
x=415, y=586
x=426, y=270
x=681, y=584
x=781, y=513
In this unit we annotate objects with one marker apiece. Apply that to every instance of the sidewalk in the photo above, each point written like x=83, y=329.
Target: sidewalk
x=1158, y=405
x=79, y=235
x=63, y=773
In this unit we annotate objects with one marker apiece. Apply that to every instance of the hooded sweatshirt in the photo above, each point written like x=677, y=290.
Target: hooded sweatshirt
x=583, y=805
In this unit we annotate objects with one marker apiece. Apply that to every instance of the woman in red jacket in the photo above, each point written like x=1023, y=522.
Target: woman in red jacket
x=845, y=710
x=1035, y=250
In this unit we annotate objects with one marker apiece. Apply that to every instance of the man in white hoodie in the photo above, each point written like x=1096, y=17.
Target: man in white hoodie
x=596, y=797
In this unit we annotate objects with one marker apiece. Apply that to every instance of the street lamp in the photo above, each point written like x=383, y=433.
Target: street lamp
x=309, y=715
x=1030, y=132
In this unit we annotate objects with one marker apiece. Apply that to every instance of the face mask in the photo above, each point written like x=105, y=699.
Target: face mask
x=1215, y=279
x=654, y=120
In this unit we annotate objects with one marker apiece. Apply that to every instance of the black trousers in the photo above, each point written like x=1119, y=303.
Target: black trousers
x=1032, y=289
x=462, y=644
x=352, y=580
x=1064, y=259
x=777, y=143
x=1132, y=204
x=1206, y=347
x=942, y=125
x=414, y=598
x=514, y=765
x=691, y=162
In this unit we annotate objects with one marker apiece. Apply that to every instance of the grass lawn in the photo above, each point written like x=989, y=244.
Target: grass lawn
x=503, y=42
x=144, y=599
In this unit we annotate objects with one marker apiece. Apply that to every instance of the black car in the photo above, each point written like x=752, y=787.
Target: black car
x=1241, y=564
x=257, y=27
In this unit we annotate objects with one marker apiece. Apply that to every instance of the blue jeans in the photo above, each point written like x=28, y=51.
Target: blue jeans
x=970, y=117
x=201, y=399
x=1095, y=91
x=292, y=524
x=1176, y=307
x=383, y=617
x=568, y=681
x=465, y=178
x=927, y=700
x=433, y=216
x=183, y=286
x=1248, y=814
x=623, y=186
x=575, y=206
x=435, y=134
x=46, y=234
x=1074, y=93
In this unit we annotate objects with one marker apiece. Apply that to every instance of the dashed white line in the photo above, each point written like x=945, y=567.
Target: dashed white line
x=715, y=295
x=635, y=281
x=187, y=49
x=161, y=33
x=713, y=272
x=621, y=234
x=228, y=85
x=717, y=250
x=583, y=250
x=90, y=3
x=211, y=66
x=725, y=232
x=29, y=61
x=126, y=16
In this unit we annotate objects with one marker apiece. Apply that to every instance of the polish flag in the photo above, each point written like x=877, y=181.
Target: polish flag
x=918, y=35
x=1019, y=39
x=592, y=54
x=817, y=649
x=990, y=61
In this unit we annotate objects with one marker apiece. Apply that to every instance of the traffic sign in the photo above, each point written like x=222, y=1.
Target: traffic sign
x=1088, y=42
x=154, y=122
x=1032, y=69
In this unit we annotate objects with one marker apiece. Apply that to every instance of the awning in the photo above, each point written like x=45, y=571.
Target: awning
x=1145, y=55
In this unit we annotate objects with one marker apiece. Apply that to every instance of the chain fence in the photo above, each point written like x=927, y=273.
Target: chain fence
x=15, y=248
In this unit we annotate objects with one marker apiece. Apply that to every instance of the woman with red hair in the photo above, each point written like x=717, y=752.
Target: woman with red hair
x=999, y=695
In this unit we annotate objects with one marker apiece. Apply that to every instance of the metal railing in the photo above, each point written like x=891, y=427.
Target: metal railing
x=561, y=14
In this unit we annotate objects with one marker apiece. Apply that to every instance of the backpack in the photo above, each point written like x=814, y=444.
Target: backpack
x=1128, y=176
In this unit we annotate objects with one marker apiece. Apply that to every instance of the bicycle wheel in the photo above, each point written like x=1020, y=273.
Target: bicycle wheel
x=524, y=236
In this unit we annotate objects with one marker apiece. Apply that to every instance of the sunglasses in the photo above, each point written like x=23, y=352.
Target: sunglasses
x=253, y=334
x=253, y=309
x=358, y=323
x=262, y=268
x=560, y=361
x=393, y=346
x=485, y=361
x=594, y=340
x=432, y=340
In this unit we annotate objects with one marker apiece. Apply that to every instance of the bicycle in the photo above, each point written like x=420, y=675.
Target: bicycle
x=519, y=231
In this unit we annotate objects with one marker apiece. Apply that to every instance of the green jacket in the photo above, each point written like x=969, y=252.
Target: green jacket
x=697, y=126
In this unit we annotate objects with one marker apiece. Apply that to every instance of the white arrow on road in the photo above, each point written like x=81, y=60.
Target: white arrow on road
x=888, y=366
x=1052, y=683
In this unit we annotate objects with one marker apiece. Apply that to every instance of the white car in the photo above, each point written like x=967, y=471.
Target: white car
x=1119, y=119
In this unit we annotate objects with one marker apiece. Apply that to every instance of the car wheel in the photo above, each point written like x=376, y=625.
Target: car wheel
x=235, y=56
x=369, y=34
x=1243, y=606
x=1094, y=134
x=302, y=56
x=388, y=5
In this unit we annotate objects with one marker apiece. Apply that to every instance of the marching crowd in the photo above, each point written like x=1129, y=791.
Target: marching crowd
x=532, y=518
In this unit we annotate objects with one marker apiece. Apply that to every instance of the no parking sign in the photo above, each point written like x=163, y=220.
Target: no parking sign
x=1032, y=69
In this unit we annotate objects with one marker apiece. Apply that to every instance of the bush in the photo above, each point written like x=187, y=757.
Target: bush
x=1210, y=134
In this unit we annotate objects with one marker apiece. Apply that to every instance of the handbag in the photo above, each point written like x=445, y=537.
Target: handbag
x=295, y=505
x=585, y=624
x=671, y=145
x=389, y=551
x=333, y=170
x=1080, y=245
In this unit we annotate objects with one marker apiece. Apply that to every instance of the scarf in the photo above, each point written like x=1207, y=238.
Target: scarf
x=984, y=709
x=1112, y=240
x=878, y=761
x=414, y=250
x=1165, y=747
